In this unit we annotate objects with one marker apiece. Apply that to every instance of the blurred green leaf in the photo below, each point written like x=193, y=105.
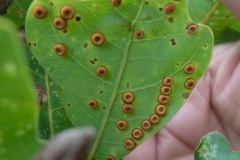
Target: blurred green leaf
x=214, y=146
x=144, y=42
x=18, y=108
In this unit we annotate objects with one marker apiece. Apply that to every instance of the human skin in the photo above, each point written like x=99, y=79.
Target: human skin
x=214, y=105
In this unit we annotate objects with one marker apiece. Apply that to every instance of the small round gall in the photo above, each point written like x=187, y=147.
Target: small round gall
x=137, y=133
x=167, y=81
x=122, y=124
x=139, y=34
x=192, y=28
x=165, y=90
x=102, y=71
x=154, y=119
x=160, y=110
x=127, y=108
x=129, y=144
x=92, y=103
x=116, y=3
x=67, y=12
x=189, y=68
x=59, y=23
x=128, y=97
x=60, y=49
x=169, y=8
x=111, y=157
x=39, y=11
x=190, y=83
x=97, y=39
x=146, y=124
x=162, y=99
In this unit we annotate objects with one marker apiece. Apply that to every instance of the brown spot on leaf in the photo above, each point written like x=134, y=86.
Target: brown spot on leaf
x=165, y=90
x=122, y=124
x=98, y=39
x=110, y=157
x=60, y=23
x=67, y=12
x=102, y=71
x=146, y=124
x=162, y=99
x=139, y=34
x=154, y=118
x=192, y=28
x=60, y=49
x=160, y=110
x=129, y=144
x=128, y=108
x=92, y=103
x=128, y=97
x=169, y=8
x=39, y=11
x=190, y=83
x=137, y=133
x=116, y=3
x=189, y=68
x=167, y=81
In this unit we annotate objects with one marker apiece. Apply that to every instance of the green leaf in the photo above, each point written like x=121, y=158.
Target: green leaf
x=214, y=146
x=15, y=10
x=224, y=24
x=109, y=54
x=49, y=96
x=52, y=116
x=18, y=109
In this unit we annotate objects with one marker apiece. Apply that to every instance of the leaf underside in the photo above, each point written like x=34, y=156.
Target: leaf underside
x=141, y=44
x=214, y=146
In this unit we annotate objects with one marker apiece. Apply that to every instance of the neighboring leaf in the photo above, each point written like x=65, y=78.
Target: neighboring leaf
x=49, y=96
x=52, y=117
x=214, y=146
x=18, y=108
x=15, y=10
x=214, y=14
x=105, y=54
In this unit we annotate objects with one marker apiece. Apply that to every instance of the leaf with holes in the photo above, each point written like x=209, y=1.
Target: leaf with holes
x=213, y=13
x=214, y=146
x=124, y=67
x=18, y=108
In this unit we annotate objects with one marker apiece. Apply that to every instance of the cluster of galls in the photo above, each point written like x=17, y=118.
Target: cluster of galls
x=190, y=82
x=60, y=22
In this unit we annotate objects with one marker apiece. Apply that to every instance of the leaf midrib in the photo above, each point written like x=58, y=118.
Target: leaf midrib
x=107, y=115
